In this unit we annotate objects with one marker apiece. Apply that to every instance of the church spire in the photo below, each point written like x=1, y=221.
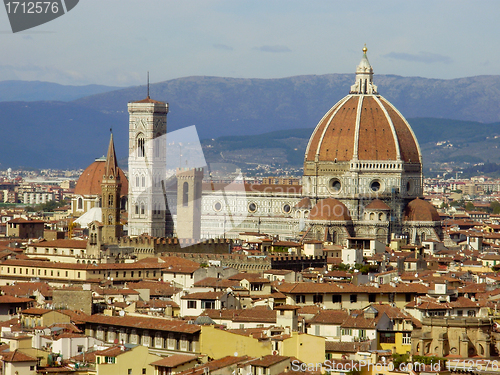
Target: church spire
x=111, y=170
x=364, y=77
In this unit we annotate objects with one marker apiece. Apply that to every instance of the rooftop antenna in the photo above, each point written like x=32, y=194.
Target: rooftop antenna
x=148, y=84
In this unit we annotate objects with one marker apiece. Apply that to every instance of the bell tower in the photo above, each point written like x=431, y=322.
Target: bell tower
x=146, y=167
x=110, y=187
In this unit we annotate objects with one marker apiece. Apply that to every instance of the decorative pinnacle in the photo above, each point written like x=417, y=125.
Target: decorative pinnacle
x=365, y=49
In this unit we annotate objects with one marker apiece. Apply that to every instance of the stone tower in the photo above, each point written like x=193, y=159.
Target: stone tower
x=146, y=166
x=189, y=188
x=110, y=199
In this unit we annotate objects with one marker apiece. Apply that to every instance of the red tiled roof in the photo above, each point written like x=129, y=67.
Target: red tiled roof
x=174, y=360
x=12, y=299
x=214, y=365
x=16, y=356
x=143, y=323
x=330, y=317
x=76, y=244
x=268, y=360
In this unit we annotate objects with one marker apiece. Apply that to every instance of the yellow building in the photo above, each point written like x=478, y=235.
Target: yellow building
x=37, y=317
x=305, y=347
x=125, y=359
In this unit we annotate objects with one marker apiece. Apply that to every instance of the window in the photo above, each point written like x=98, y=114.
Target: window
x=372, y=297
x=387, y=338
x=317, y=298
x=471, y=313
x=191, y=305
x=460, y=313
x=208, y=304
x=408, y=297
x=256, y=287
x=336, y=298
x=140, y=146
x=353, y=298
x=32, y=368
x=185, y=194
x=78, y=275
x=143, y=371
x=406, y=338
x=129, y=372
x=362, y=333
x=300, y=298
x=346, y=332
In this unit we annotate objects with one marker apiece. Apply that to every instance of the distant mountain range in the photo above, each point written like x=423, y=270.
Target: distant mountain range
x=29, y=91
x=57, y=134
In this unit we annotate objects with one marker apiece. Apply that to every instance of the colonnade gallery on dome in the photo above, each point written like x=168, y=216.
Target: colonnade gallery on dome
x=362, y=179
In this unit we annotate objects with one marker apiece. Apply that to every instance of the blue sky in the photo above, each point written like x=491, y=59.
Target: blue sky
x=115, y=42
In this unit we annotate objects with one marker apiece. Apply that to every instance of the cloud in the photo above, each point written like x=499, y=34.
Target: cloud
x=274, y=49
x=423, y=57
x=223, y=46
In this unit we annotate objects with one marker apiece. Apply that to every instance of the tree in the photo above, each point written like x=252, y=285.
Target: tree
x=495, y=207
x=469, y=206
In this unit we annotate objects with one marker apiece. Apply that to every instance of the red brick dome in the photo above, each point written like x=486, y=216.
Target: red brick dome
x=420, y=210
x=304, y=203
x=366, y=126
x=377, y=204
x=330, y=209
x=363, y=126
x=90, y=180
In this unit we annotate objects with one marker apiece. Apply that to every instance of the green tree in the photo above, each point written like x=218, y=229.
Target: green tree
x=469, y=206
x=495, y=207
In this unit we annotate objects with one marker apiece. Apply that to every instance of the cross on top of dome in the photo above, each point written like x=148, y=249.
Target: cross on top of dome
x=364, y=77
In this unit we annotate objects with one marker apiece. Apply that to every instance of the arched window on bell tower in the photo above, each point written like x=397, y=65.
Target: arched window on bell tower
x=140, y=145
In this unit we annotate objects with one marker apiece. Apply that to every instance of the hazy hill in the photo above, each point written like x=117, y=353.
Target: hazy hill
x=440, y=140
x=233, y=106
x=11, y=91
x=53, y=134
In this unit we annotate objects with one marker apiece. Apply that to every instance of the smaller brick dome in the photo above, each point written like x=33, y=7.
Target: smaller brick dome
x=420, y=210
x=304, y=203
x=90, y=180
x=377, y=204
x=330, y=209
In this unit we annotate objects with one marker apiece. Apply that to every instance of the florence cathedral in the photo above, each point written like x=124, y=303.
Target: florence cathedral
x=362, y=179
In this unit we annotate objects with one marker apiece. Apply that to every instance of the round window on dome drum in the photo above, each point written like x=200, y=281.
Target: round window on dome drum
x=252, y=207
x=218, y=206
x=334, y=185
x=375, y=186
x=286, y=208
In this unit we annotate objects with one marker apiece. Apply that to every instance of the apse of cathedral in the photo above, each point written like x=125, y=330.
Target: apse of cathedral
x=362, y=180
